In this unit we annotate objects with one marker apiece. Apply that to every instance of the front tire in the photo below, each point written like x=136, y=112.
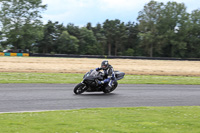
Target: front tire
x=79, y=88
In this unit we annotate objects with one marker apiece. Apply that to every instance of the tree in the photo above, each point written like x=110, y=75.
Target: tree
x=51, y=34
x=100, y=37
x=46, y=44
x=68, y=44
x=149, y=17
x=88, y=43
x=162, y=29
x=115, y=33
x=193, y=37
x=131, y=44
x=119, y=37
x=0, y=41
x=18, y=15
x=109, y=30
x=89, y=26
x=173, y=29
x=73, y=30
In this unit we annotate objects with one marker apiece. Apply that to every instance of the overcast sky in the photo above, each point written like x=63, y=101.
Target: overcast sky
x=80, y=12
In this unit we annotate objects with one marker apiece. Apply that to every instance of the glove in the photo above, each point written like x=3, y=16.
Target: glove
x=106, y=80
x=100, y=82
x=99, y=68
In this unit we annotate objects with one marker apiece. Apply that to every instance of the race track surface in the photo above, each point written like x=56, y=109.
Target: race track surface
x=36, y=97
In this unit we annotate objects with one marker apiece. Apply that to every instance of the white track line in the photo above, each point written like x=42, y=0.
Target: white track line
x=27, y=111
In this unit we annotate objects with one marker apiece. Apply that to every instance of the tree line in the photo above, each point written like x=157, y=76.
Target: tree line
x=162, y=30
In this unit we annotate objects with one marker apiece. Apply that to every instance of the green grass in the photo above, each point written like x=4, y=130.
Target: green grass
x=40, y=78
x=151, y=79
x=102, y=120
x=105, y=120
x=76, y=78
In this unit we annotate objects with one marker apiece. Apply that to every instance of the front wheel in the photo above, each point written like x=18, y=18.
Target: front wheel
x=79, y=88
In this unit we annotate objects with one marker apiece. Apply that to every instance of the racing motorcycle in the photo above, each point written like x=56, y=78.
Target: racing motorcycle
x=91, y=79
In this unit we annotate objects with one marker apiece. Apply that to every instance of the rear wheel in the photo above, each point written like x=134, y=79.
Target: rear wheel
x=108, y=89
x=114, y=86
x=79, y=88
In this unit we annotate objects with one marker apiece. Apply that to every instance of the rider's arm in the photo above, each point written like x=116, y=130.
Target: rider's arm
x=111, y=75
x=110, y=72
x=98, y=69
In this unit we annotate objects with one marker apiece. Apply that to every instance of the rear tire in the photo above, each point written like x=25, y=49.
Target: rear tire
x=79, y=88
x=114, y=86
x=108, y=89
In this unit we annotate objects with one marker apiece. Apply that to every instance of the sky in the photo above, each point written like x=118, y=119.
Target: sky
x=80, y=12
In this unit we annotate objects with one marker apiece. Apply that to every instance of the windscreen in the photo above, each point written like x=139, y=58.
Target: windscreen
x=93, y=73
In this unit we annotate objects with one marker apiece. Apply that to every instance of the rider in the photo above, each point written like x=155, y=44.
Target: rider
x=109, y=75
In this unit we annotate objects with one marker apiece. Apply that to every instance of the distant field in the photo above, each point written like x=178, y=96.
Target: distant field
x=82, y=65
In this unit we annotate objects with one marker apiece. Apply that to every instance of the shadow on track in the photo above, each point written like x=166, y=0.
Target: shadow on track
x=97, y=94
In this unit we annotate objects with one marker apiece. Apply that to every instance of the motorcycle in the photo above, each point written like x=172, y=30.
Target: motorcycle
x=91, y=79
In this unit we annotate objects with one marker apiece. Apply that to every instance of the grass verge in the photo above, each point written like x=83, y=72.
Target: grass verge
x=105, y=120
x=76, y=78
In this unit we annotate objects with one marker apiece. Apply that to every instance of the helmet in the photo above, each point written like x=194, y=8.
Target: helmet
x=104, y=64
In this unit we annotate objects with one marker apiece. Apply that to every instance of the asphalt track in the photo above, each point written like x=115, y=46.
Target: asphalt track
x=39, y=97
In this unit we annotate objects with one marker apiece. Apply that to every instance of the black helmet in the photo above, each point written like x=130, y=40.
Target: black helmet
x=104, y=64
